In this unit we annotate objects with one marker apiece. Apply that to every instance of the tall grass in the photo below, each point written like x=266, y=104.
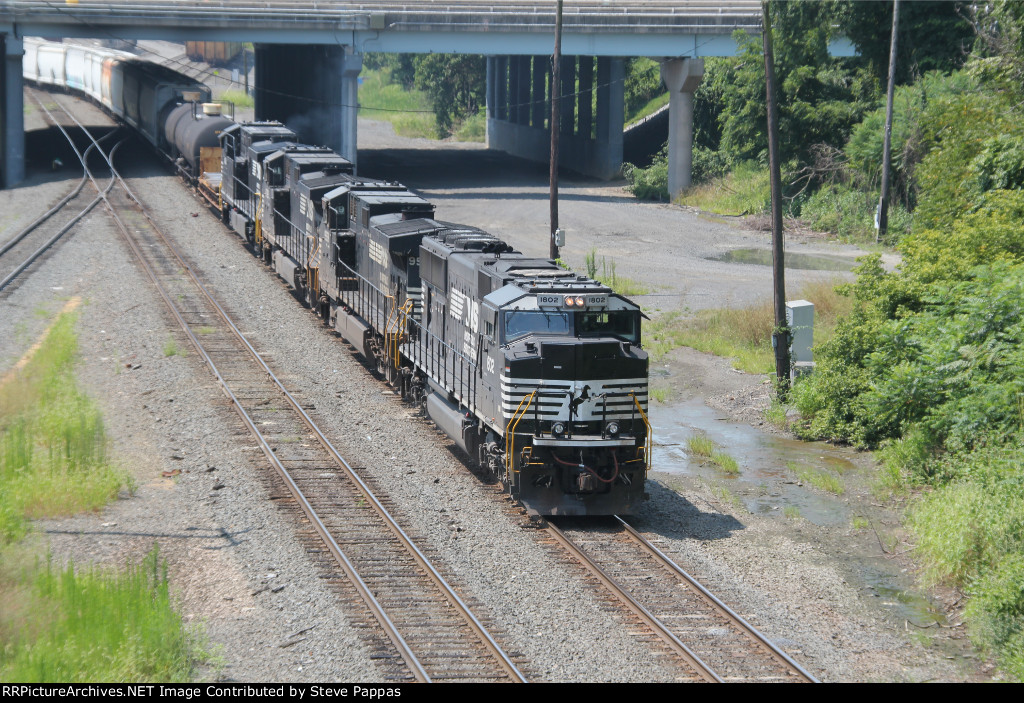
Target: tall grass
x=53, y=448
x=91, y=625
x=700, y=445
x=819, y=478
x=608, y=276
x=743, y=191
x=239, y=98
x=409, y=111
x=743, y=334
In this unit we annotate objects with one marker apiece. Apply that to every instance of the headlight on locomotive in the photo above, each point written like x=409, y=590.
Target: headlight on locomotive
x=558, y=428
x=612, y=428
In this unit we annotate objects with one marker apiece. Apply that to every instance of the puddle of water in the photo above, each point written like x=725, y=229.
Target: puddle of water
x=767, y=486
x=764, y=483
x=911, y=606
x=812, y=262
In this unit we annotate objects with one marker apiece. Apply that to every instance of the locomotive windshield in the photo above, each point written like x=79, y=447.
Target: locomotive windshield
x=624, y=324
x=521, y=323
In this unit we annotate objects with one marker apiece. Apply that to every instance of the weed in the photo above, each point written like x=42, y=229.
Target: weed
x=860, y=523
x=742, y=191
x=89, y=625
x=659, y=394
x=725, y=462
x=724, y=495
x=619, y=284
x=238, y=97
x=818, y=478
x=171, y=348
x=775, y=414
x=53, y=447
x=792, y=512
x=206, y=329
x=701, y=445
x=744, y=334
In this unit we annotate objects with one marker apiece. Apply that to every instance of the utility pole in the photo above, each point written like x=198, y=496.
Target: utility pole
x=556, y=80
x=883, y=203
x=780, y=337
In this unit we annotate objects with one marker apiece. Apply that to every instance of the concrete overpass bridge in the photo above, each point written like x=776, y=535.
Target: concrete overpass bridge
x=309, y=55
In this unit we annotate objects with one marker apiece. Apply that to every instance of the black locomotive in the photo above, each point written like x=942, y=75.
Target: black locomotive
x=537, y=373
x=534, y=371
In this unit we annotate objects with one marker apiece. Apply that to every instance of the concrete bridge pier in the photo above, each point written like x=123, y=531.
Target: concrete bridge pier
x=591, y=116
x=313, y=89
x=681, y=77
x=12, y=115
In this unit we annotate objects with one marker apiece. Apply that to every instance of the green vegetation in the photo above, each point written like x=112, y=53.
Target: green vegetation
x=428, y=95
x=659, y=394
x=239, y=97
x=53, y=449
x=619, y=284
x=382, y=99
x=62, y=624
x=792, y=512
x=171, y=348
x=88, y=625
x=725, y=462
x=700, y=445
x=744, y=334
x=819, y=478
x=724, y=495
x=928, y=366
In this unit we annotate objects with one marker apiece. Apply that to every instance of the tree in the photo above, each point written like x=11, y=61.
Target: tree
x=456, y=84
x=821, y=97
x=932, y=36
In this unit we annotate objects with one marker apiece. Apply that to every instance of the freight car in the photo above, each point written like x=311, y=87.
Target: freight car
x=170, y=111
x=537, y=373
x=215, y=53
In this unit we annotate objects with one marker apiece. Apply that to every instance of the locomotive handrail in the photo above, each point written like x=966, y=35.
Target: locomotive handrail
x=647, y=440
x=510, y=431
x=425, y=355
x=257, y=219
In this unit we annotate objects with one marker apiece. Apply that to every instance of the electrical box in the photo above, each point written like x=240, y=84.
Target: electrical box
x=800, y=318
x=559, y=237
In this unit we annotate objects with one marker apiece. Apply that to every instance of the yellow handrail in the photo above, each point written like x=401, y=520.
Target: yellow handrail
x=313, y=272
x=510, y=431
x=647, y=443
x=258, y=221
x=401, y=318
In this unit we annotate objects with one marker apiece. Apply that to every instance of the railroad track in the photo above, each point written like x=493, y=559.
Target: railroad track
x=24, y=248
x=431, y=633
x=708, y=638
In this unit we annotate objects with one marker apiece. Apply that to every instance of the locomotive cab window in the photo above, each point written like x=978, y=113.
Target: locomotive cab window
x=623, y=324
x=337, y=216
x=275, y=173
x=521, y=323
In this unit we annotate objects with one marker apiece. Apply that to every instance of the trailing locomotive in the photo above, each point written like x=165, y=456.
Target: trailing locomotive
x=537, y=373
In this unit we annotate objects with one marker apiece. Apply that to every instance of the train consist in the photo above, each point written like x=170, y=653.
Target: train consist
x=537, y=373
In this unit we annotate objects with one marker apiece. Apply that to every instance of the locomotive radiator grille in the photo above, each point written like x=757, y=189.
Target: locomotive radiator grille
x=554, y=398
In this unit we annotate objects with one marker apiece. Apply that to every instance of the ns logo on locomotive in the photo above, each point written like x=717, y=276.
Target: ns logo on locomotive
x=534, y=371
